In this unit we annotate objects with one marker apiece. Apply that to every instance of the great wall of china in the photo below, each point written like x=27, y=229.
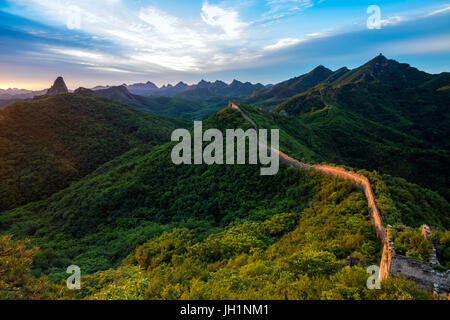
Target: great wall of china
x=422, y=273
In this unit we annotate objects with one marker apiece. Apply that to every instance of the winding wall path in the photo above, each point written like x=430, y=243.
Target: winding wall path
x=358, y=180
x=391, y=263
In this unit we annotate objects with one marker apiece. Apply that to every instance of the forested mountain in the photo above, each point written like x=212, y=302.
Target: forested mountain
x=389, y=72
x=277, y=93
x=371, y=118
x=206, y=89
x=182, y=107
x=5, y=102
x=379, y=69
x=89, y=179
x=235, y=226
x=48, y=143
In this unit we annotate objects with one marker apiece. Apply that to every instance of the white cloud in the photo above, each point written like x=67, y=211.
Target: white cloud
x=279, y=9
x=77, y=53
x=112, y=69
x=283, y=43
x=438, y=11
x=155, y=40
x=148, y=39
x=226, y=19
x=318, y=34
x=392, y=21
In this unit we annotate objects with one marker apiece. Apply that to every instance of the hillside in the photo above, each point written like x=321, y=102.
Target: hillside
x=381, y=69
x=272, y=96
x=235, y=224
x=206, y=89
x=189, y=107
x=48, y=143
x=203, y=89
x=91, y=182
x=5, y=102
x=371, y=119
x=371, y=131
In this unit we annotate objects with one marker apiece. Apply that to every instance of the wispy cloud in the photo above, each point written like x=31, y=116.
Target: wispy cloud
x=226, y=19
x=279, y=9
x=155, y=39
x=439, y=11
x=132, y=37
x=283, y=43
x=392, y=21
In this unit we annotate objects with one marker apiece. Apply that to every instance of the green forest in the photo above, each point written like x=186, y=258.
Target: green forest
x=88, y=181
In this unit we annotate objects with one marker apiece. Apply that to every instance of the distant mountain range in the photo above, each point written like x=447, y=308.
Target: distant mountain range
x=19, y=93
x=203, y=89
x=11, y=95
x=188, y=108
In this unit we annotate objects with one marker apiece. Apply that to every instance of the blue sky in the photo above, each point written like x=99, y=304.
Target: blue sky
x=93, y=42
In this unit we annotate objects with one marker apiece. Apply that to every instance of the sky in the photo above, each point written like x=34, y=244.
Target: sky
x=110, y=42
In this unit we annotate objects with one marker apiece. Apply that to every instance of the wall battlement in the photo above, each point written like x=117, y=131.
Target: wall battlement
x=421, y=272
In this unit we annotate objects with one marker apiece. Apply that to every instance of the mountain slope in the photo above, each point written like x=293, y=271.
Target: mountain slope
x=232, y=212
x=370, y=118
x=201, y=90
x=273, y=95
x=5, y=102
x=187, y=107
x=142, y=89
x=48, y=143
x=390, y=72
x=206, y=89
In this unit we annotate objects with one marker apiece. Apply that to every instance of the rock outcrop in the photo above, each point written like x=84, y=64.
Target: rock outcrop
x=59, y=86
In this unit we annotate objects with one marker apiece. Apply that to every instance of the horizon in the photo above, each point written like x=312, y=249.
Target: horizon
x=257, y=41
x=189, y=83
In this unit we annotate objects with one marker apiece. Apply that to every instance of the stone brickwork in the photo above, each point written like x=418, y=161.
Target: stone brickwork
x=421, y=272
x=426, y=230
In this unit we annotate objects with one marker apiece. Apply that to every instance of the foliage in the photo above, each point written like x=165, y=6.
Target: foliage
x=441, y=241
x=400, y=201
x=46, y=144
x=16, y=279
x=142, y=228
x=269, y=259
x=411, y=243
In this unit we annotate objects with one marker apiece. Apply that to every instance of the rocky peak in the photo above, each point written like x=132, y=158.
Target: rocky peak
x=203, y=84
x=59, y=86
x=181, y=84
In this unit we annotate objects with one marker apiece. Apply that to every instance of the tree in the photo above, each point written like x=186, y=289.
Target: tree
x=16, y=279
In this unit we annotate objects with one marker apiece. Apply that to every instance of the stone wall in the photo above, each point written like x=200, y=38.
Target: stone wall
x=363, y=183
x=422, y=273
x=426, y=230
